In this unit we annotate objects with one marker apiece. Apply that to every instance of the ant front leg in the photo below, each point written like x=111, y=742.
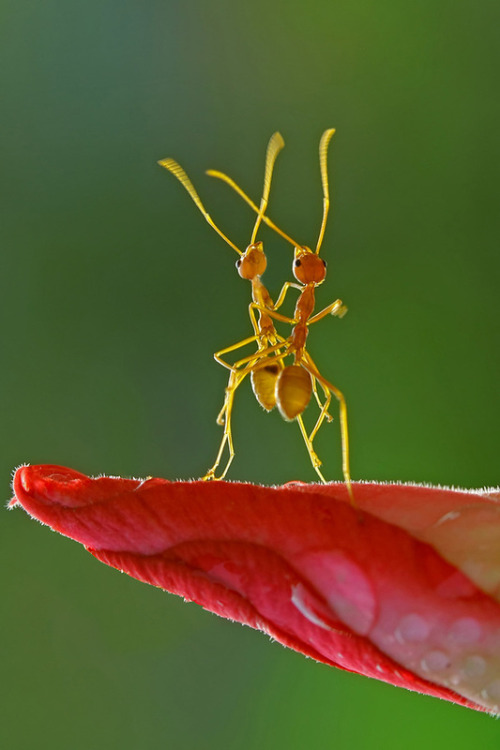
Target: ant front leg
x=336, y=308
x=284, y=289
x=253, y=320
x=259, y=358
x=273, y=314
x=239, y=345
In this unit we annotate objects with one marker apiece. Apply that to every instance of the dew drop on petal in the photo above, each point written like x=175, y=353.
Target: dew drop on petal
x=492, y=691
x=299, y=600
x=464, y=631
x=474, y=666
x=435, y=661
x=345, y=586
x=455, y=679
x=412, y=629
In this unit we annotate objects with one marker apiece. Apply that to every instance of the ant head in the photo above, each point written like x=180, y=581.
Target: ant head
x=308, y=267
x=253, y=262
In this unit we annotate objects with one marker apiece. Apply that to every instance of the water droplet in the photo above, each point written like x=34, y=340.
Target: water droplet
x=299, y=593
x=464, y=631
x=435, y=661
x=412, y=629
x=452, y=515
x=492, y=691
x=345, y=586
x=474, y=666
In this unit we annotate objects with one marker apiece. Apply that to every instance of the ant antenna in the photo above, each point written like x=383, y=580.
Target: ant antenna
x=178, y=172
x=247, y=199
x=276, y=143
x=323, y=149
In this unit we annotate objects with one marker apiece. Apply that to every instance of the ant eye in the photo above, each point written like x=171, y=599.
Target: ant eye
x=324, y=262
x=297, y=263
x=238, y=263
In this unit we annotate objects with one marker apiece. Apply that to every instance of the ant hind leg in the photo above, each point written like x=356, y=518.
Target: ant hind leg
x=312, y=454
x=224, y=418
x=344, y=434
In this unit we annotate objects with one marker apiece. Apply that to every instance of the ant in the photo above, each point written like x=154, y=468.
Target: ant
x=295, y=383
x=251, y=265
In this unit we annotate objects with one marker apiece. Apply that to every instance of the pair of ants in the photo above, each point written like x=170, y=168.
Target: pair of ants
x=289, y=387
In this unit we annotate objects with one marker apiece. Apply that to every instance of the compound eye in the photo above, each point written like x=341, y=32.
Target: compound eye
x=297, y=263
x=238, y=263
x=324, y=262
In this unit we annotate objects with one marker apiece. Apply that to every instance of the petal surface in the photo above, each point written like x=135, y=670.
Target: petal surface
x=403, y=588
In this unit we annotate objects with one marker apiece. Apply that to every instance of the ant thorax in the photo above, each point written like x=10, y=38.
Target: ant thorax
x=305, y=304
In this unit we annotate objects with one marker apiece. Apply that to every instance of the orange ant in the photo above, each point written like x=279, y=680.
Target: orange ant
x=251, y=265
x=295, y=383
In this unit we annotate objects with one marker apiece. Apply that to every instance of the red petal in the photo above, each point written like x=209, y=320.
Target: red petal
x=393, y=590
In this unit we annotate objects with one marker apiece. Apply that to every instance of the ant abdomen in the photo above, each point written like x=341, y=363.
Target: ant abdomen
x=293, y=391
x=264, y=383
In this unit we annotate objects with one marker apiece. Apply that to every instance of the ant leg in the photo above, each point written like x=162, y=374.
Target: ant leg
x=284, y=289
x=253, y=320
x=312, y=455
x=261, y=351
x=323, y=408
x=336, y=308
x=343, y=423
x=226, y=438
x=258, y=359
x=315, y=391
x=272, y=314
x=250, y=363
x=261, y=358
x=230, y=386
x=324, y=414
x=235, y=381
x=239, y=345
x=327, y=416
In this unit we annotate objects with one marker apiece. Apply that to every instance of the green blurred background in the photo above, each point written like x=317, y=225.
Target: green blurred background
x=115, y=294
